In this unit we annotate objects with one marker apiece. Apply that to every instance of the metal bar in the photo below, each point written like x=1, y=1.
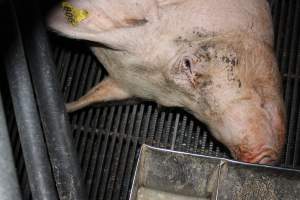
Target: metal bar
x=286, y=41
x=107, y=169
x=147, y=123
x=9, y=187
x=290, y=94
x=189, y=136
x=116, y=183
x=296, y=98
x=51, y=106
x=167, y=134
x=152, y=127
x=101, y=149
x=175, y=130
x=159, y=130
x=280, y=29
x=129, y=120
x=93, y=168
x=181, y=134
x=93, y=125
x=131, y=156
x=28, y=122
x=196, y=140
x=115, y=154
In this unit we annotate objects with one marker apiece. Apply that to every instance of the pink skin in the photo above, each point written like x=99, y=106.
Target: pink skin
x=236, y=85
x=261, y=133
x=211, y=57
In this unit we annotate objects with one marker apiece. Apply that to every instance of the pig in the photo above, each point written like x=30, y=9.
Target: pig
x=213, y=58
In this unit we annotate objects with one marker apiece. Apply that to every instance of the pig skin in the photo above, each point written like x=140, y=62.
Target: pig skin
x=213, y=58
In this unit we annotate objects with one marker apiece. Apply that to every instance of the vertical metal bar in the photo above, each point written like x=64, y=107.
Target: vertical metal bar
x=280, y=28
x=159, y=130
x=132, y=153
x=28, y=122
x=146, y=123
x=116, y=155
x=51, y=106
x=196, y=141
x=189, y=136
x=176, y=125
x=167, y=139
x=9, y=187
x=289, y=93
x=101, y=150
x=152, y=127
x=181, y=134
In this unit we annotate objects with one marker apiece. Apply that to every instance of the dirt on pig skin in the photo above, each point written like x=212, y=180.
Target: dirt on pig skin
x=213, y=58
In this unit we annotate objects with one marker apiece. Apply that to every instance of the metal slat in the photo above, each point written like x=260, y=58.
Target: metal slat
x=280, y=29
x=92, y=123
x=146, y=123
x=132, y=154
x=286, y=42
x=276, y=17
x=167, y=129
x=152, y=127
x=189, y=136
x=129, y=169
x=89, y=168
x=101, y=151
x=197, y=140
x=116, y=156
x=116, y=169
x=180, y=143
x=108, y=160
x=65, y=60
x=126, y=149
x=90, y=174
x=296, y=100
x=291, y=111
x=159, y=129
x=175, y=129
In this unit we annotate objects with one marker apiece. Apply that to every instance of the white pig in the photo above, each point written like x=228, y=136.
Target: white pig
x=213, y=58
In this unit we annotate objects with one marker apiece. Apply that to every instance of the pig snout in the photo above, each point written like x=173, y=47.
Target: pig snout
x=255, y=134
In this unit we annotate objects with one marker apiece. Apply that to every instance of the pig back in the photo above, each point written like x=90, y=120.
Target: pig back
x=154, y=44
x=202, y=17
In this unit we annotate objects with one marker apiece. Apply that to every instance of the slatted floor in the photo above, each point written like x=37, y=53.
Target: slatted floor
x=108, y=137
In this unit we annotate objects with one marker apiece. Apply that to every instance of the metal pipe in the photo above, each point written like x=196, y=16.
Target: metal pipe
x=9, y=186
x=57, y=131
x=29, y=126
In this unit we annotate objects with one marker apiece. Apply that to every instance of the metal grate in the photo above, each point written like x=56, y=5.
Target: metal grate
x=287, y=29
x=108, y=136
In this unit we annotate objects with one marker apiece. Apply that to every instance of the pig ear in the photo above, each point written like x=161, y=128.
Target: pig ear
x=74, y=19
x=111, y=23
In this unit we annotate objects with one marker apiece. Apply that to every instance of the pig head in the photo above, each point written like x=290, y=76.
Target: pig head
x=213, y=58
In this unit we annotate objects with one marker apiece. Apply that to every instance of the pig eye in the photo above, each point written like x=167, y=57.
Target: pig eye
x=187, y=64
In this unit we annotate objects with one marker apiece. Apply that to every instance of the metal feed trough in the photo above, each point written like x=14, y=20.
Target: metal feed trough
x=170, y=175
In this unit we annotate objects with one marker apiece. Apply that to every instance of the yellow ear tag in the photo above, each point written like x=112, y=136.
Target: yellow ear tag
x=74, y=15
